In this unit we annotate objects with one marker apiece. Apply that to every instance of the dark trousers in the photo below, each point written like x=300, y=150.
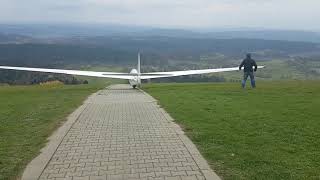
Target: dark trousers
x=245, y=77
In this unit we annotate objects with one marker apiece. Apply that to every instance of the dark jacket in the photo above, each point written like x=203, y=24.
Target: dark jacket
x=248, y=63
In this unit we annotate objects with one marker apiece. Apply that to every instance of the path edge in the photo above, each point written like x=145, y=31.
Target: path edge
x=203, y=165
x=35, y=167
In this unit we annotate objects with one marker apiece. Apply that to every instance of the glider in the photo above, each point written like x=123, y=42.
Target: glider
x=135, y=76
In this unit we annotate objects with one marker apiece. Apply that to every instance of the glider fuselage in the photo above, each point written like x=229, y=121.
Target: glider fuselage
x=135, y=81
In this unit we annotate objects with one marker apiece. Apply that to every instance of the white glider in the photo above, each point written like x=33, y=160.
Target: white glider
x=134, y=76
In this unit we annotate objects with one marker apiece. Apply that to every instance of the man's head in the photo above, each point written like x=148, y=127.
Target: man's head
x=248, y=55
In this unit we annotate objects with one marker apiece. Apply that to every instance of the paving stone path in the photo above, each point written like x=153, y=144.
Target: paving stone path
x=119, y=133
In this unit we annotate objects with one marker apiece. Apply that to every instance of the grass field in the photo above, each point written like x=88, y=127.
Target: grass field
x=28, y=115
x=271, y=132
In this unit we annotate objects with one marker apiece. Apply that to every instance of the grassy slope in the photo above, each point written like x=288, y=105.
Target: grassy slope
x=271, y=132
x=28, y=115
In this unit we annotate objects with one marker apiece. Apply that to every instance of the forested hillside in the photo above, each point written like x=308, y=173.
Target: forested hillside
x=123, y=50
x=158, y=54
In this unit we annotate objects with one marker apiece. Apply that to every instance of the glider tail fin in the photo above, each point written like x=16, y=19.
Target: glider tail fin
x=139, y=65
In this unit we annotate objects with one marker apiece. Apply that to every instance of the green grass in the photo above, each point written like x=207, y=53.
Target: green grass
x=271, y=132
x=28, y=115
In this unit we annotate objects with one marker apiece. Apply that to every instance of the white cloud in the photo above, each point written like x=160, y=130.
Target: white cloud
x=280, y=14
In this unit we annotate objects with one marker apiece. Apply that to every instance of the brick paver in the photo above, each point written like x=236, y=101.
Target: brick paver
x=122, y=133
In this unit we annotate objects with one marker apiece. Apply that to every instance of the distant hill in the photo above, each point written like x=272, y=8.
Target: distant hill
x=156, y=50
x=303, y=36
x=67, y=30
x=111, y=30
x=14, y=39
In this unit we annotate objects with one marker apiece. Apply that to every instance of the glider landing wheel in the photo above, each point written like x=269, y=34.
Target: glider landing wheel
x=134, y=86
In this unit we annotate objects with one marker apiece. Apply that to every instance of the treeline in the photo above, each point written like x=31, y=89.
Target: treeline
x=29, y=78
x=57, y=55
x=156, y=50
x=193, y=46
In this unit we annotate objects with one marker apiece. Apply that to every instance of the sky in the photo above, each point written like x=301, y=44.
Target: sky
x=194, y=14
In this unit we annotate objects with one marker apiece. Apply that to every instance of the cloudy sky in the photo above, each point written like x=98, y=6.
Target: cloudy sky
x=271, y=14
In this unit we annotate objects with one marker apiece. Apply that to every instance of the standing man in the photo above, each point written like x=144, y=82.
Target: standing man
x=248, y=63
